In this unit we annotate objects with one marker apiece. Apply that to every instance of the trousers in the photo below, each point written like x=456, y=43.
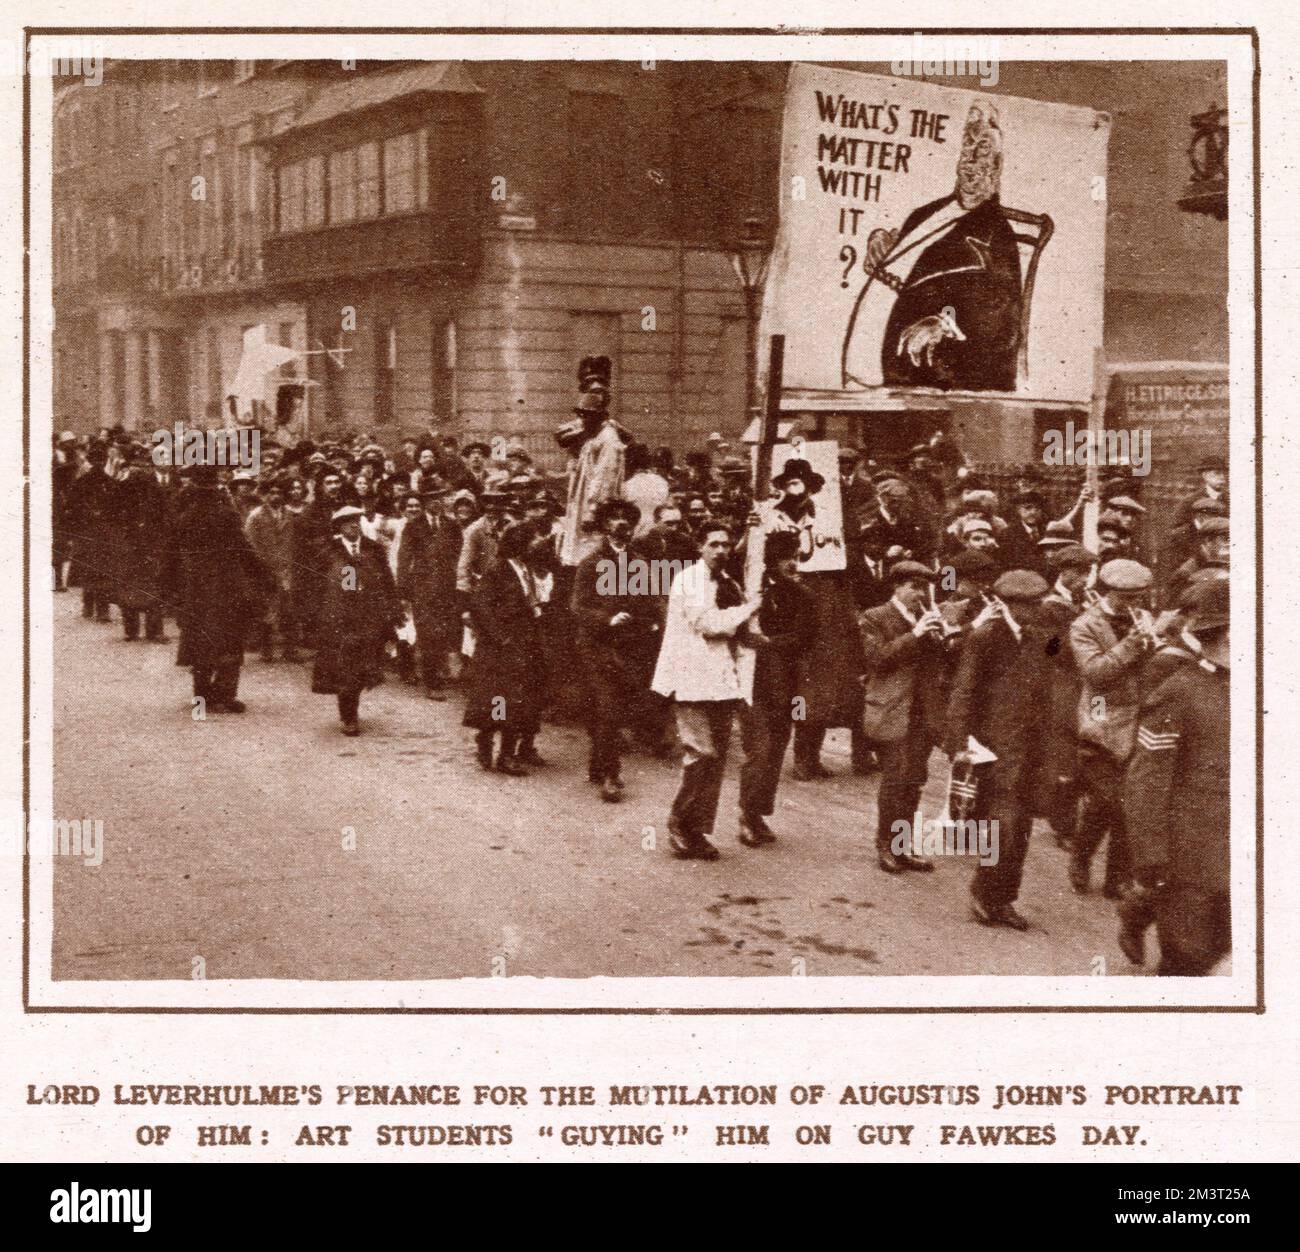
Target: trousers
x=904, y=767
x=765, y=730
x=704, y=727
x=1101, y=778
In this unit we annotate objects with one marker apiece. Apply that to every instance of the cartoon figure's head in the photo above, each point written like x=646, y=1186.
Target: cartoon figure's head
x=979, y=168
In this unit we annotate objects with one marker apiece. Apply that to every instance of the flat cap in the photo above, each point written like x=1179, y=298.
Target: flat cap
x=901, y=571
x=1071, y=556
x=1198, y=582
x=980, y=498
x=972, y=563
x=1208, y=505
x=347, y=511
x=1125, y=502
x=1125, y=575
x=1021, y=584
x=1211, y=610
x=1215, y=526
x=1208, y=463
x=969, y=525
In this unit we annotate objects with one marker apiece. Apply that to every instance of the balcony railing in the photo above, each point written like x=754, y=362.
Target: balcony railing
x=413, y=241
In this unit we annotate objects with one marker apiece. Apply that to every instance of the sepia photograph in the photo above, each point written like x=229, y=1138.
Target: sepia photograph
x=757, y=519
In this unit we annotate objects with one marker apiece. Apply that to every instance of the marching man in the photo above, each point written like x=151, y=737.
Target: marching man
x=709, y=675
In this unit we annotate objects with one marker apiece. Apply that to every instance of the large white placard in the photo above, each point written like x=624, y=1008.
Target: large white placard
x=933, y=238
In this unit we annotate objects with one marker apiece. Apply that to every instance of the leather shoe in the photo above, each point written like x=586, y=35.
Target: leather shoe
x=810, y=772
x=510, y=765
x=918, y=863
x=752, y=836
x=890, y=863
x=1132, y=940
x=351, y=729
x=691, y=847
x=1004, y=915
x=610, y=791
x=529, y=755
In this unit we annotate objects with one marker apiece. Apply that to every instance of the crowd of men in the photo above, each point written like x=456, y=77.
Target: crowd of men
x=1085, y=687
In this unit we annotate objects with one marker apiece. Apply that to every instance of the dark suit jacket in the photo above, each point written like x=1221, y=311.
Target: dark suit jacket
x=973, y=267
x=508, y=661
x=426, y=568
x=905, y=679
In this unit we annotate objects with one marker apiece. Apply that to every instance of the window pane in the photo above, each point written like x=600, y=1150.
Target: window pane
x=399, y=174
x=291, y=197
x=343, y=192
x=314, y=192
x=368, y=180
x=422, y=169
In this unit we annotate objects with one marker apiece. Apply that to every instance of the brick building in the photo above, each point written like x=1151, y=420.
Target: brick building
x=466, y=231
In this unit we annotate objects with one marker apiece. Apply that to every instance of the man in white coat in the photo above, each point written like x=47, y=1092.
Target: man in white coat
x=709, y=672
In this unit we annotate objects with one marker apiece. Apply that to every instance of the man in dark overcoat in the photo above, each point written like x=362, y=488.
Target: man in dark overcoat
x=215, y=581
x=997, y=697
x=427, y=553
x=358, y=613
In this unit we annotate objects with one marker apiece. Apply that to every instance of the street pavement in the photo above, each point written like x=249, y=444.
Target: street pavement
x=272, y=846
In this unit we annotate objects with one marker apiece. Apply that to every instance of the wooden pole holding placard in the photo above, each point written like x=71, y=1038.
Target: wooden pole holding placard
x=769, y=428
x=769, y=433
x=1096, y=429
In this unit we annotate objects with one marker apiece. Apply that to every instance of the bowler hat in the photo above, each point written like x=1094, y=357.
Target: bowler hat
x=1058, y=534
